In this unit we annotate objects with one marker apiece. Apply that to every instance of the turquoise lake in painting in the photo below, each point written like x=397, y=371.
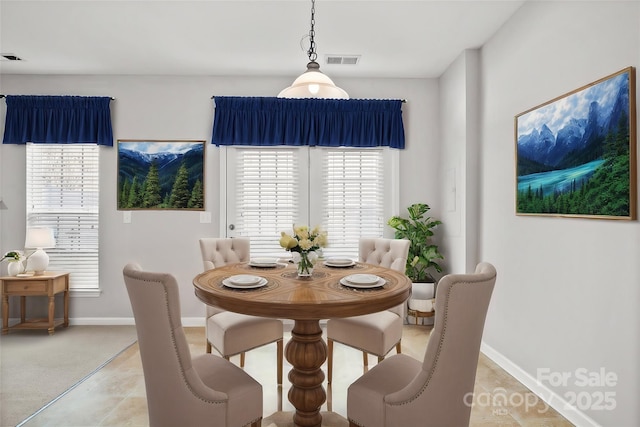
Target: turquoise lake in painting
x=559, y=181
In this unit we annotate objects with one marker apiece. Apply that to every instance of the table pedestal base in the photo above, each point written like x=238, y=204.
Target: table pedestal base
x=307, y=352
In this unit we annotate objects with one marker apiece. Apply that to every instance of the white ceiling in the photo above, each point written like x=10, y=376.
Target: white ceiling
x=401, y=39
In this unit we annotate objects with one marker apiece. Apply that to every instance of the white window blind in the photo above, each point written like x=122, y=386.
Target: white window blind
x=353, y=198
x=62, y=193
x=267, y=198
x=341, y=189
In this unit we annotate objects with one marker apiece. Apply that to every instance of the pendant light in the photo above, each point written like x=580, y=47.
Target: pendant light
x=313, y=83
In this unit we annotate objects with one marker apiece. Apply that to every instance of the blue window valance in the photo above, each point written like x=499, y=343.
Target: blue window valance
x=269, y=121
x=58, y=120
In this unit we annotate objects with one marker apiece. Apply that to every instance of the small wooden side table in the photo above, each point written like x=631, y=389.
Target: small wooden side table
x=422, y=314
x=47, y=284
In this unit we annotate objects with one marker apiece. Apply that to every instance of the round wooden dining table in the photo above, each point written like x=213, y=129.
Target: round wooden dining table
x=305, y=300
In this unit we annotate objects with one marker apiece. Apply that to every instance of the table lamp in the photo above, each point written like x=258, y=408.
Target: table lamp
x=39, y=238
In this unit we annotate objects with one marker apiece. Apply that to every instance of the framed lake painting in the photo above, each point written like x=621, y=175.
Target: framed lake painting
x=576, y=154
x=160, y=175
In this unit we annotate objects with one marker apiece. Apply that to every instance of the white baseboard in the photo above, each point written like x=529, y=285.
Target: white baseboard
x=101, y=321
x=114, y=321
x=189, y=322
x=551, y=398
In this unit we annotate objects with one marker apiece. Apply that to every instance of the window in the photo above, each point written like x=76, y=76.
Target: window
x=352, y=197
x=342, y=189
x=266, y=195
x=62, y=193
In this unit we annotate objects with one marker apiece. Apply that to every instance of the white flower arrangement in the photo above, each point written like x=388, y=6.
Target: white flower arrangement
x=303, y=239
x=304, y=242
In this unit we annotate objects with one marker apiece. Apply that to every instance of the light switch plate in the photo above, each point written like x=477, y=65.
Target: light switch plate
x=126, y=217
x=205, y=217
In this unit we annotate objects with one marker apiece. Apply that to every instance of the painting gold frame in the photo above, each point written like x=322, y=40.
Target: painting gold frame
x=576, y=154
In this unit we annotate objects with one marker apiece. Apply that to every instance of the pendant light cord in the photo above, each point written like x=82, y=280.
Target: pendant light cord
x=312, y=32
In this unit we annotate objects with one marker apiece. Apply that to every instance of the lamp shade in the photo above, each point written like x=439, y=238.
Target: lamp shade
x=40, y=238
x=313, y=84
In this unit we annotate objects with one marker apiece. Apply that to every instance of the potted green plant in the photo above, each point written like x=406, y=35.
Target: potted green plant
x=423, y=254
x=423, y=257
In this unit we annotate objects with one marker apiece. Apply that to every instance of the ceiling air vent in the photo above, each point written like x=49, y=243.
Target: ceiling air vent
x=9, y=57
x=342, y=59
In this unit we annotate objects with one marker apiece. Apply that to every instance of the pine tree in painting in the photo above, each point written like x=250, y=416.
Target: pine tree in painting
x=197, y=199
x=152, y=196
x=180, y=193
x=133, y=201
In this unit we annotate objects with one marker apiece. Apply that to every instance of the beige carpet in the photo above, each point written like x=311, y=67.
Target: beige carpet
x=36, y=368
x=285, y=419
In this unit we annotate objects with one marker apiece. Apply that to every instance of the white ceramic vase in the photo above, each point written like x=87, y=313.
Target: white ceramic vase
x=15, y=267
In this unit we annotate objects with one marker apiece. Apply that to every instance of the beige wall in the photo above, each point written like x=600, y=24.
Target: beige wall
x=567, y=293
x=174, y=107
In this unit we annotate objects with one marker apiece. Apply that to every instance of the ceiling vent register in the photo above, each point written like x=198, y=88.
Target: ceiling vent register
x=342, y=59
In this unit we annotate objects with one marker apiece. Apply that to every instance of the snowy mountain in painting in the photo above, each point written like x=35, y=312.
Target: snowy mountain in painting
x=579, y=131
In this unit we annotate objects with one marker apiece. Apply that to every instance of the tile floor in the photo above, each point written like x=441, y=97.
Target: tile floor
x=115, y=395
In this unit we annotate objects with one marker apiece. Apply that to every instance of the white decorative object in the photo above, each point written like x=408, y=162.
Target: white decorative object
x=39, y=238
x=15, y=267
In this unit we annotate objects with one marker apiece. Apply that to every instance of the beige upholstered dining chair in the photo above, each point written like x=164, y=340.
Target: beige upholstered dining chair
x=233, y=333
x=181, y=391
x=375, y=333
x=402, y=391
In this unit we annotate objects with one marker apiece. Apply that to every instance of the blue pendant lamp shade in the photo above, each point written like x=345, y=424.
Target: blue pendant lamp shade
x=313, y=83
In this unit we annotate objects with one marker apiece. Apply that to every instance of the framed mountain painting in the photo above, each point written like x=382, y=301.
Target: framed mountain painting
x=576, y=154
x=161, y=174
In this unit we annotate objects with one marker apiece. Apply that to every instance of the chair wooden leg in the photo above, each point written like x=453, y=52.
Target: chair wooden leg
x=208, y=347
x=279, y=349
x=242, y=359
x=380, y=359
x=329, y=360
x=399, y=347
x=257, y=423
x=365, y=358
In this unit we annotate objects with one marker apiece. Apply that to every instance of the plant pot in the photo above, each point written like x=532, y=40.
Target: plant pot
x=421, y=302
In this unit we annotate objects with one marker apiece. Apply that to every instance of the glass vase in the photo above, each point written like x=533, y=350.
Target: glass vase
x=305, y=264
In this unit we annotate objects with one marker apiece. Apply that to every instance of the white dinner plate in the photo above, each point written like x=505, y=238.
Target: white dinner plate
x=244, y=279
x=263, y=262
x=339, y=262
x=362, y=279
x=380, y=282
x=228, y=283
